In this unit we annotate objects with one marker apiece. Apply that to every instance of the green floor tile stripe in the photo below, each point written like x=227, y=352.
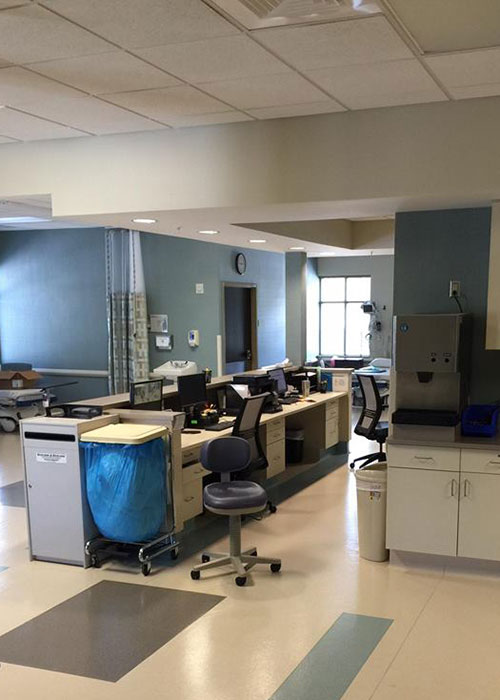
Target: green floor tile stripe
x=335, y=661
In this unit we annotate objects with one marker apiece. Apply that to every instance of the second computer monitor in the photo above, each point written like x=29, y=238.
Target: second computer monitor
x=192, y=389
x=278, y=375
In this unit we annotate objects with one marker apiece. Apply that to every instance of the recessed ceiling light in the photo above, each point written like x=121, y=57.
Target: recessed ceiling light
x=208, y=232
x=144, y=221
x=257, y=240
x=297, y=247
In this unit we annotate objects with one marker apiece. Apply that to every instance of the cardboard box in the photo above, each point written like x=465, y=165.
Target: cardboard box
x=18, y=379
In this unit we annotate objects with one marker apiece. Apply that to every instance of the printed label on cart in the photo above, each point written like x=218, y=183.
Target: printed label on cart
x=52, y=457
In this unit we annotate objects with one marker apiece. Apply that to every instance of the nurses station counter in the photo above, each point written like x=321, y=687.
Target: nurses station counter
x=60, y=523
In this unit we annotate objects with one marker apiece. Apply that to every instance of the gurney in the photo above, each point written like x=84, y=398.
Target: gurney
x=16, y=404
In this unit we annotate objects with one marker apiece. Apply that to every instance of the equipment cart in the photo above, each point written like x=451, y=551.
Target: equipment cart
x=128, y=435
x=16, y=404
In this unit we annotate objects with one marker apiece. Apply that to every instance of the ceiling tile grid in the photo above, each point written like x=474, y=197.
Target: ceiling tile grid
x=24, y=127
x=111, y=66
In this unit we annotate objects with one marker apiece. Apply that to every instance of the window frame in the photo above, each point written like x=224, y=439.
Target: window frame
x=344, y=303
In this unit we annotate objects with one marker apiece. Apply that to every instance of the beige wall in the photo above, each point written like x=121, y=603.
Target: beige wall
x=442, y=153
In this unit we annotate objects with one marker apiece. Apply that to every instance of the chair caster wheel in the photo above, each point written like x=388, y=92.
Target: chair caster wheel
x=174, y=553
x=240, y=580
x=352, y=465
x=272, y=508
x=254, y=553
x=94, y=561
x=275, y=568
x=146, y=569
x=195, y=575
x=205, y=558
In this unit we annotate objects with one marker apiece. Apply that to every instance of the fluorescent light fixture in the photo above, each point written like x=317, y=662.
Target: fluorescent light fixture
x=208, y=231
x=297, y=247
x=257, y=240
x=144, y=221
x=21, y=219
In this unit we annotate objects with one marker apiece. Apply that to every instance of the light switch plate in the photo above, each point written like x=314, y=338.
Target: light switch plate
x=200, y=288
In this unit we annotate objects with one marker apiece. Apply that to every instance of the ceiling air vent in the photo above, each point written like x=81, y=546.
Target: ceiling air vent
x=259, y=14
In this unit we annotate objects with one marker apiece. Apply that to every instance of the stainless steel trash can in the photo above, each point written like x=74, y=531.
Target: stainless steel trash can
x=371, y=491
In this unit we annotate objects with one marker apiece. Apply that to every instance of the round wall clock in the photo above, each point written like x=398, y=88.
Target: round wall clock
x=241, y=264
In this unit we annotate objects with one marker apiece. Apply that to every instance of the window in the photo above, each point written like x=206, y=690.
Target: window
x=344, y=327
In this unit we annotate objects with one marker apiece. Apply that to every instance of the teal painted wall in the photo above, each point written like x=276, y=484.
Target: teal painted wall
x=433, y=247
x=53, y=303
x=53, y=300
x=173, y=266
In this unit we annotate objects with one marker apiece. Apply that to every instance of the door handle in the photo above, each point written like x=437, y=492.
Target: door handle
x=467, y=488
x=453, y=490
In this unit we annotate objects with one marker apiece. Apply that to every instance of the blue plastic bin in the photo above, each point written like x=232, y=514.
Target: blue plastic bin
x=480, y=421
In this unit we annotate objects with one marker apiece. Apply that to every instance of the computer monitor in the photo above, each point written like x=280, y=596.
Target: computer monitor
x=192, y=389
x=278, y=375
x=147, y=396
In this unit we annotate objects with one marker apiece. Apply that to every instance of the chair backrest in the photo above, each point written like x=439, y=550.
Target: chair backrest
x=225, y=454
x=16, y=366
x=372, y=406
x=247, y=427
x=381, y=362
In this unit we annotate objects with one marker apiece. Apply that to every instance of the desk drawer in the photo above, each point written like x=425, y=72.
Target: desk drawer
x=191, y=455
x=275, y=454
x=483, y=461
x=192, y=499
x=332, y=410
x=331, y=432
x=421, y=457
x=193, y=472
x=275, y=431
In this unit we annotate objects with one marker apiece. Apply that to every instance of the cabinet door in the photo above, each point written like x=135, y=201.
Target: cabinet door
x=479, y=518
x=422, y=510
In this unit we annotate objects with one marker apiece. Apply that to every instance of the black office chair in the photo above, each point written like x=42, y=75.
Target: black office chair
x=227, y=455
x=247, y=427
x=369, y=424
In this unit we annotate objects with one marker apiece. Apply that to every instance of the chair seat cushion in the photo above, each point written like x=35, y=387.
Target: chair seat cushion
x=233, y=495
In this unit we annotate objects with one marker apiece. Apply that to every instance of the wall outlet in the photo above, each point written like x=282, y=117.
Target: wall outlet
x=454, y=288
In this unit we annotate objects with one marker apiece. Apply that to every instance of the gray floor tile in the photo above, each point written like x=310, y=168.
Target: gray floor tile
x=334, y=662
x=13, y=495
x=105, y=631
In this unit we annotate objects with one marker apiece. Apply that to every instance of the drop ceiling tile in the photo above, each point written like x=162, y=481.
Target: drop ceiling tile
x=451, y=25
x=336, y=44
x=224, y=58
x=4, y=139
x=467, y=69
x=162, y=104
x=105, y=73
x=144, y=23
x=266, y=91
x=19, y=86
x=10, y=3
x=470, y=91
x=32, y=33
x=301, y=110
x=26, y=127
x=379, y=85
x=91, y=114
x=208, y=119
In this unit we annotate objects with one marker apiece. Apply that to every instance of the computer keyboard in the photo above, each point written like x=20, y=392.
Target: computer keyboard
x=222, y=425
x=288, y=400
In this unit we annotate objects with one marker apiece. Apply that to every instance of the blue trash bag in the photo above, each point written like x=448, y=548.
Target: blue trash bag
x=126, y=489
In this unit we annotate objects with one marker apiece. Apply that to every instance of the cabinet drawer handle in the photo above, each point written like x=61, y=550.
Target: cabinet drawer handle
x=453, y=488
x=189, y=498
x=425, y=459
x=467, y=488
x=497, y=464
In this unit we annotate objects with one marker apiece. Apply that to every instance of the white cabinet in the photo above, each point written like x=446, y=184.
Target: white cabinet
x=449, y=504
x=422, y=510
x=479, y=520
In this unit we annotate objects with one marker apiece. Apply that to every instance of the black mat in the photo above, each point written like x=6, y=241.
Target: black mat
x=13, y=495
x=105, y=631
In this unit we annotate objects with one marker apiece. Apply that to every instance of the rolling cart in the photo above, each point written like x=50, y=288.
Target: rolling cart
x=102, y=548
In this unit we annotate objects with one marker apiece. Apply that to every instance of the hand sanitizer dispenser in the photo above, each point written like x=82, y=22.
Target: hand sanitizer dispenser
x=193, y=338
